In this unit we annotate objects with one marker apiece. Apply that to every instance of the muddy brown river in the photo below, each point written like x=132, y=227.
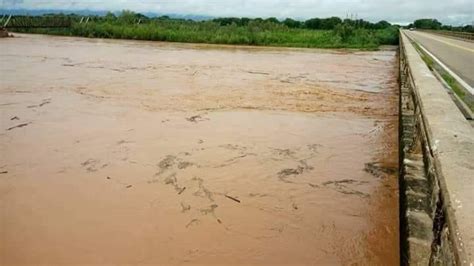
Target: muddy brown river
x=133, y=153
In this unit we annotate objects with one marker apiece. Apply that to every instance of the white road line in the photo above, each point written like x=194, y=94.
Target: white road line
x=427, y=35
x=456, y=77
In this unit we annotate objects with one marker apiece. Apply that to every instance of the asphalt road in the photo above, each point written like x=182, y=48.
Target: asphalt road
x=458, y=55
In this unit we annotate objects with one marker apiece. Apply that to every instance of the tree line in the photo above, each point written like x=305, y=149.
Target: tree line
x=314, y=23
x=433, y=24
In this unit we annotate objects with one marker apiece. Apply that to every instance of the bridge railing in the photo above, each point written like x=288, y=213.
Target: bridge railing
x=456, y=34
x=18, y=22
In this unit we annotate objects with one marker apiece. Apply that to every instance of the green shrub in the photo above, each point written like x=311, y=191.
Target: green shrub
x=345, y=31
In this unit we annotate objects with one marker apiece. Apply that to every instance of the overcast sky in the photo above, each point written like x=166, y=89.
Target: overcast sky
x=447, y=11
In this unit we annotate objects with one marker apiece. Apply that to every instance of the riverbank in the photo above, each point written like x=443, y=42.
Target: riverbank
x=257, y=34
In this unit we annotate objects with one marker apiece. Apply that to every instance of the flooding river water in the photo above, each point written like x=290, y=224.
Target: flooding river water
x=126, y=152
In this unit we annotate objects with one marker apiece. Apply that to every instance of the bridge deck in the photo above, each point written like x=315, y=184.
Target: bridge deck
x=458, y=55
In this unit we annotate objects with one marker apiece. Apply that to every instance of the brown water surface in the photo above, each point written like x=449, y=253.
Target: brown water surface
x=124, y=152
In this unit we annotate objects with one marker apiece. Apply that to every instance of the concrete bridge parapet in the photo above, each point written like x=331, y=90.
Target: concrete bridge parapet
x=436, y=171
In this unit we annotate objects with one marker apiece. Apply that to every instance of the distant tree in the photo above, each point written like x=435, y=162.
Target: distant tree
x=130, y=17
x=322, y=23
x=360, y=23
x=330, y=23
x=427, y=23
x=291, y=23
x=227, y=21
x=127, y=16
x=447, y=27
x=140, y=16
x=272, y=20
x=314, y=23
x=382, y=24
x=468, y=28
x=244, y=21
x=110, y=16
x=164, y=18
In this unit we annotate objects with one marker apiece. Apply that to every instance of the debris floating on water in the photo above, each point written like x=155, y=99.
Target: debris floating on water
x=232, y=198
x=18, y=126
x=182, y=190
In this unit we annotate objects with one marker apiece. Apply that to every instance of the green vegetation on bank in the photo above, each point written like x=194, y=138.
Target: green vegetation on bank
x=314, y=33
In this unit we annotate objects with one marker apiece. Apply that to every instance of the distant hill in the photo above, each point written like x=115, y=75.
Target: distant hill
x=86, y=12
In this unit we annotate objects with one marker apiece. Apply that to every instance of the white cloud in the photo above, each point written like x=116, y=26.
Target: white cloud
x=453, y=11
